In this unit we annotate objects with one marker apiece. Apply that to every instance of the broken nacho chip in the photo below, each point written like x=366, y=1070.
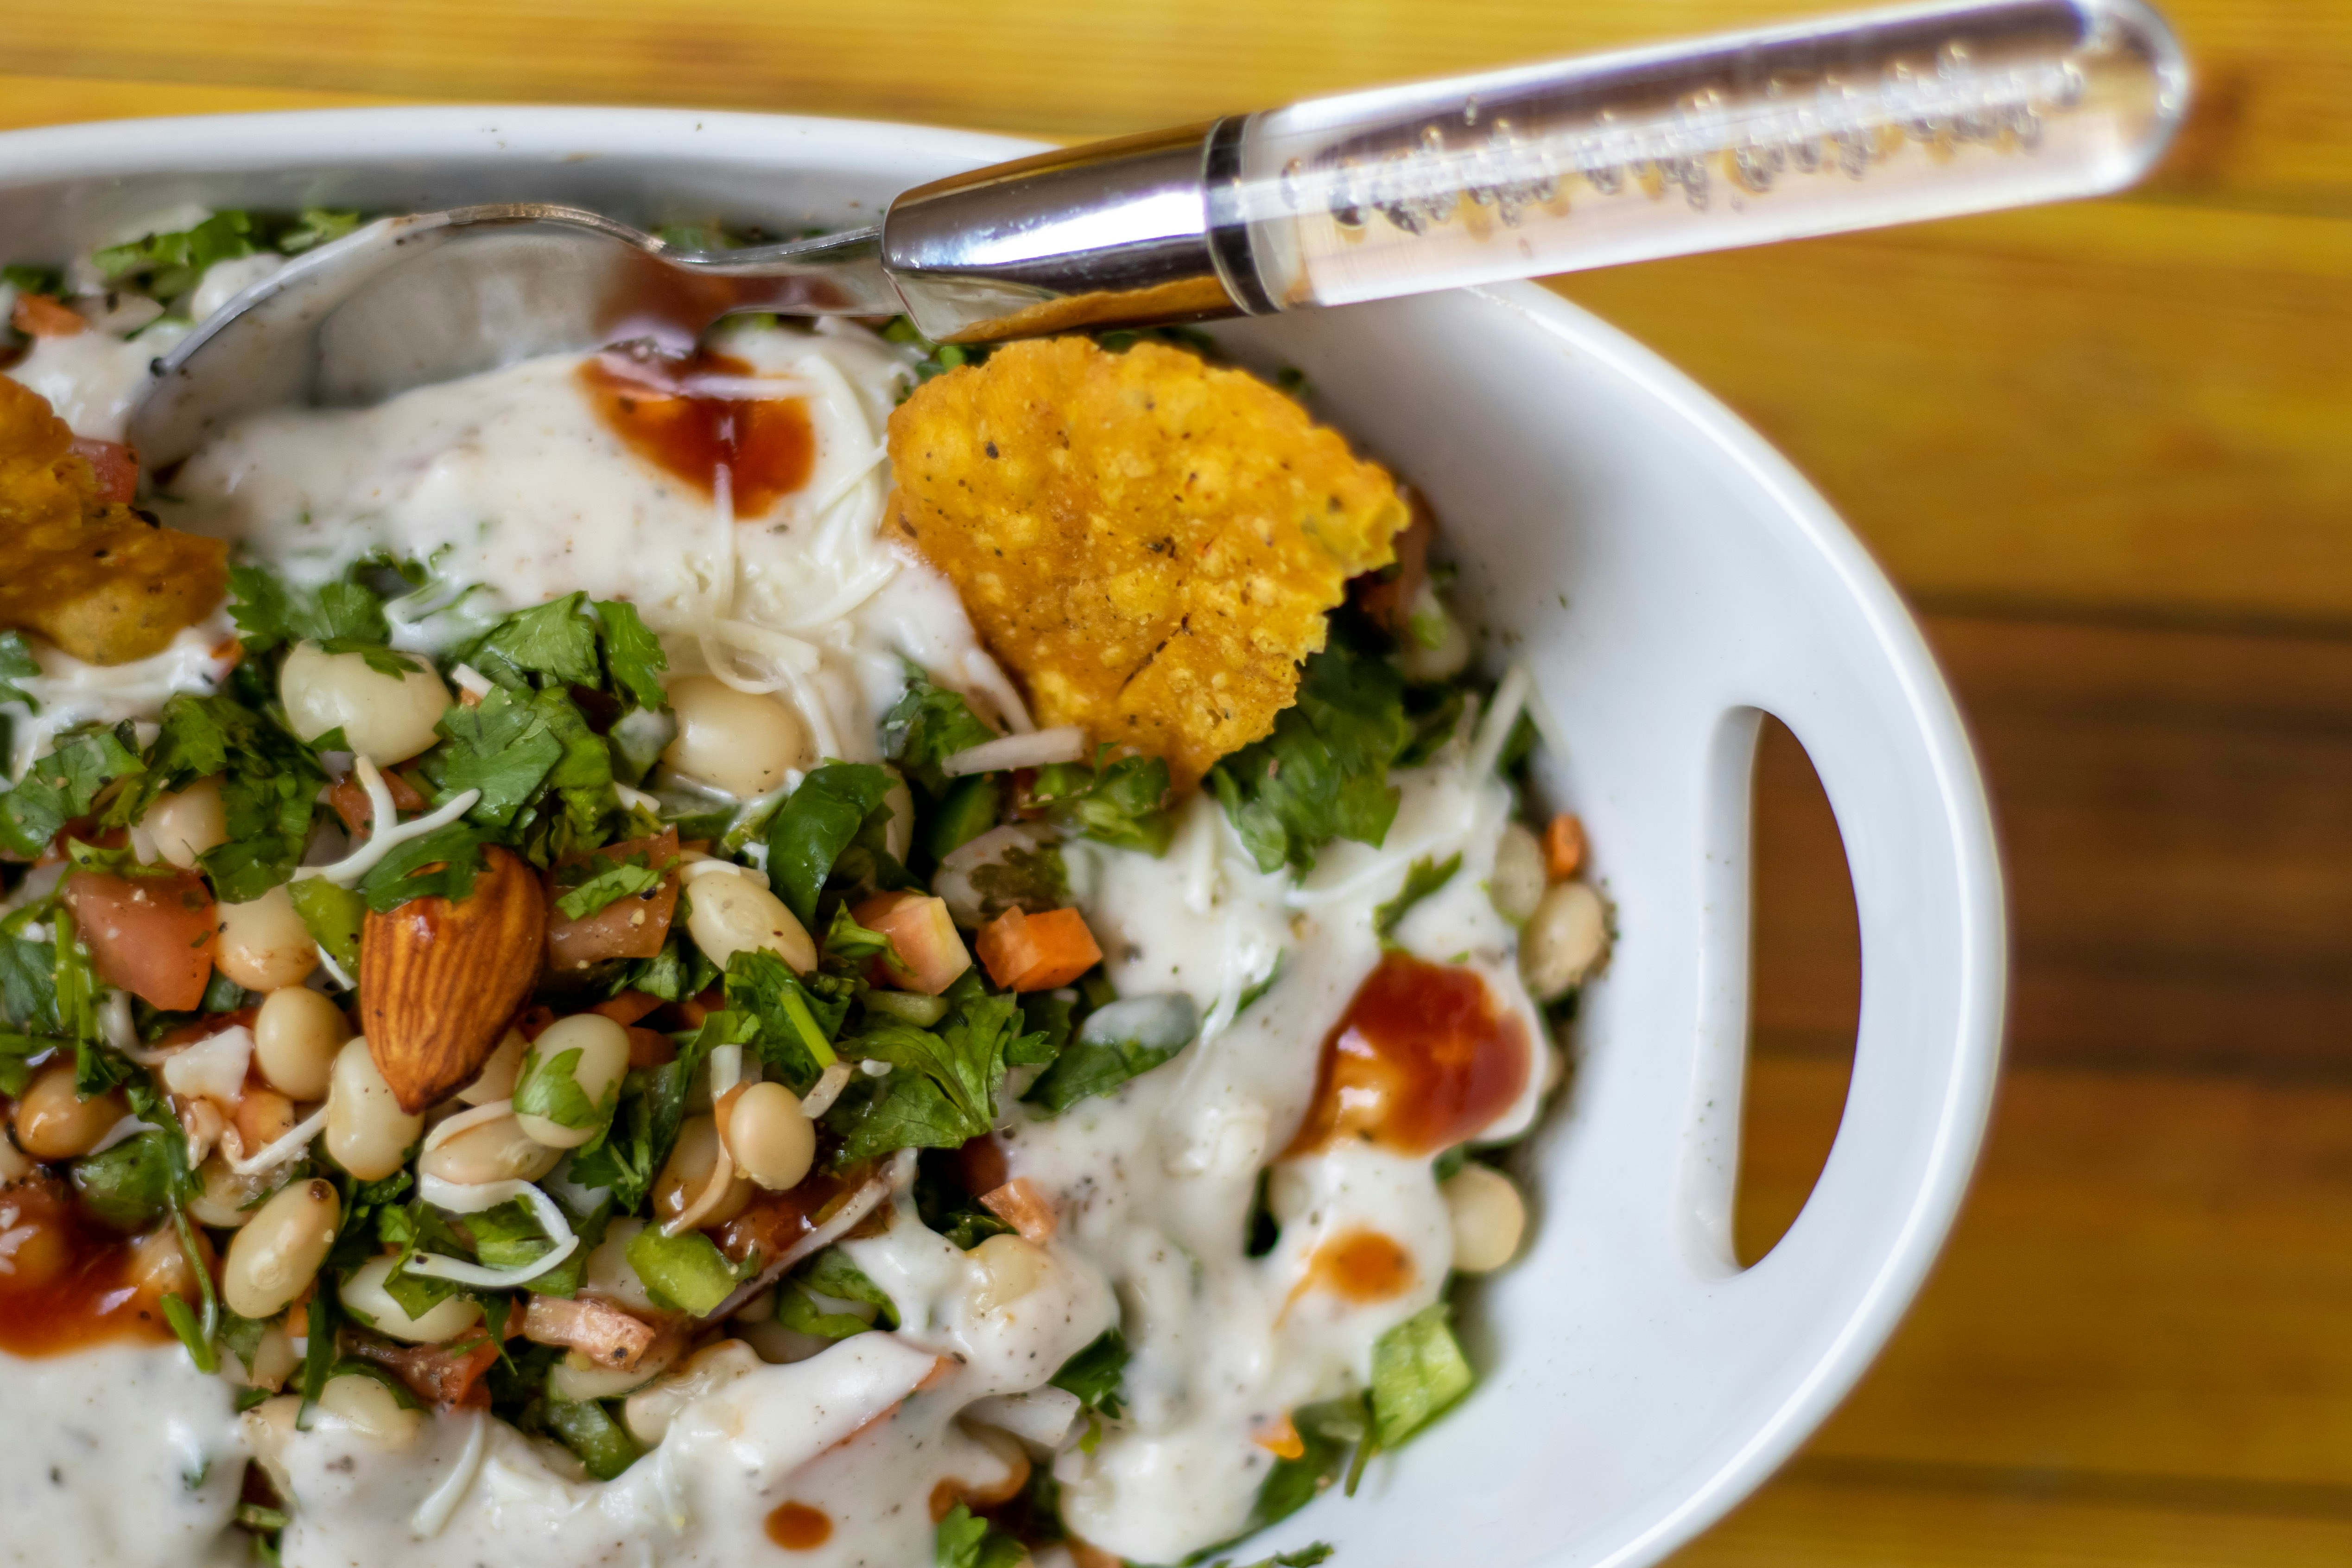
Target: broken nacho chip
x=1149, y=541
x=102, y=582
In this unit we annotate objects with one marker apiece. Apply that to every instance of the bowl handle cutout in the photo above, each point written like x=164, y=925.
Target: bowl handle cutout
x=1782, y=972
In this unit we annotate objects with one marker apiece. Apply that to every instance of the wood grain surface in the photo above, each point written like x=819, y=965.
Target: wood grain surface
x=2107, y=447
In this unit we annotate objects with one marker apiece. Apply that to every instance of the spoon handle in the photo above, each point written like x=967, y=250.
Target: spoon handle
x=1849, y=122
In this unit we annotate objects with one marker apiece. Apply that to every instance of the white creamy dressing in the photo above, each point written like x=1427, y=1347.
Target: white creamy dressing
x=117, y=1456
x=508, y=485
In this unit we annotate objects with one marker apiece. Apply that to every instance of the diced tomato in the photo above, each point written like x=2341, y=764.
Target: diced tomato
x=45, y=316
x=1563, y=846
x=152, y=936
x=980, y=1163
x=1020, y=1205
x=1037, y=952
x=928, y=949
x=435, y=1375
x=116, y=465
x=632, y=927
x=348, y=798
x=627, y=1007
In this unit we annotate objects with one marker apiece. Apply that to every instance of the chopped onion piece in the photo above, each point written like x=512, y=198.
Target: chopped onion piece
x=827, y=1088
x=1066, y=743
x=128, y=1127
x=213, y=1067
x=1495, y=725
x=460, y=1198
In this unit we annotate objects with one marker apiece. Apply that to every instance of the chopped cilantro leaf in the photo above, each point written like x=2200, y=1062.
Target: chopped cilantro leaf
x=402, y=875
x=941, y=1090
x=170, y=265
x=820, y=820
x=16, y=663
x=1093, y=1374
x=63, y=785
x=1323, y=773
x=600, y=882
x=1115, y=1043
x=965, y=1540
x=504, y=747
x=556, y=639
x=925, y=727
x=632, y=653
x=316, y=226
x=1425, y=877
x=270, y=612
x=1119, y=803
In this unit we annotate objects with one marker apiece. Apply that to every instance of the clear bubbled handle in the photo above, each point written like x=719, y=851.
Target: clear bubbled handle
x=1892, y=117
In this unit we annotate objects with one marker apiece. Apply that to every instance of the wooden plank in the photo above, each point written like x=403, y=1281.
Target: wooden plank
x=2180, y=856
x=1817, y=1516
x=2275, y=122
x=2107, y=407
x=28, y=101
x=2147, y=1281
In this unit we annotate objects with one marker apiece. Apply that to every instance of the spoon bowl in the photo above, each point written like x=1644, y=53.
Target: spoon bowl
x=428, y=296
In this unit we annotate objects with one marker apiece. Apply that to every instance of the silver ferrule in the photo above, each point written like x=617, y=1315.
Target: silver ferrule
x=1113, y=234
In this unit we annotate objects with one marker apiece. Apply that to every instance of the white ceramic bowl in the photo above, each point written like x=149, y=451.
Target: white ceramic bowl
x=1667, y=577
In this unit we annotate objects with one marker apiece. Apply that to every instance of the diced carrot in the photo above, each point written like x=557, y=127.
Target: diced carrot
x=1037, y=952
x=152, y=936
x=115, y=466
x=1563, y=846
x=1281, y=1439
x=650, y=1049
x=628, y=1007
x=44, y=316
x=1020, y=1205
x=929, y=949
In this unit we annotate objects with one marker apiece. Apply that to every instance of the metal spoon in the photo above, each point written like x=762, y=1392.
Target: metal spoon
x=1855, y=122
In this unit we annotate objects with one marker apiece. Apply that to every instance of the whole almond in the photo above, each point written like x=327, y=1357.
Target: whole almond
x=439, y=981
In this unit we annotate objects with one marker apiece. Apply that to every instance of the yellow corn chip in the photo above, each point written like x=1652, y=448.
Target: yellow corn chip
x=99, y=579
x=1148, y=543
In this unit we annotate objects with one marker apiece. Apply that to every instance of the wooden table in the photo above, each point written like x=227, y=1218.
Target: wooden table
x=2106, y=448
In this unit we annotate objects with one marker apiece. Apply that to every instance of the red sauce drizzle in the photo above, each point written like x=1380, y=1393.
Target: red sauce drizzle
x=1421, y=1060
x=1359, y=1266
x=69, y=1282
x=765, y=446
x=797, y=1527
